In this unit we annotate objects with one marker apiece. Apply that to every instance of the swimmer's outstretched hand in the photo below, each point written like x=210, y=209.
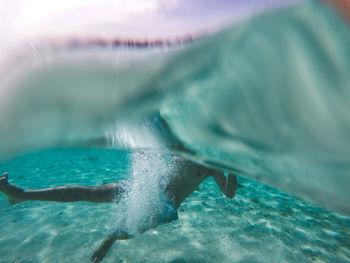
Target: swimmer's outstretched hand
x=231, y=185
x=227, y=185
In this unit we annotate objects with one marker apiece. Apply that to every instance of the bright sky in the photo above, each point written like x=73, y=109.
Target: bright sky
x=123, y=18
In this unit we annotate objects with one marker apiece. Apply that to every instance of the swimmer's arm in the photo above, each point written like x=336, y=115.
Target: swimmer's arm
x=227, y=185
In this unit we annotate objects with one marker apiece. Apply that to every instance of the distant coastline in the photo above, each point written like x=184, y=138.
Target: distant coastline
x=74, y=43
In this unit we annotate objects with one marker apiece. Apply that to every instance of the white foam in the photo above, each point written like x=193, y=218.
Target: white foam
x=143, y=199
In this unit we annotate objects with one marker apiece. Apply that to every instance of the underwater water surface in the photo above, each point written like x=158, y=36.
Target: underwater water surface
x=267, y=98
x=260, y=224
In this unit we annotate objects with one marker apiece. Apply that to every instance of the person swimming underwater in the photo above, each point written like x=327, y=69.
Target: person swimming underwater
x=181, y=184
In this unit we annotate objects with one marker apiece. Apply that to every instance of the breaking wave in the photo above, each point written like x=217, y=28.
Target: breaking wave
x=267, y=99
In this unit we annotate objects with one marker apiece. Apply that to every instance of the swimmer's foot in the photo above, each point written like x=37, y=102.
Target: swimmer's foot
x=100, y=253
x=13, y=192
x=106, y=245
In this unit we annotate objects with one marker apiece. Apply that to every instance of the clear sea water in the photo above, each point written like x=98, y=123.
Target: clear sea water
x=266, y=99
x=260, y=224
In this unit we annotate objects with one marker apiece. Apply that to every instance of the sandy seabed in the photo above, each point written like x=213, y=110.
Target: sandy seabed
x=260, y=224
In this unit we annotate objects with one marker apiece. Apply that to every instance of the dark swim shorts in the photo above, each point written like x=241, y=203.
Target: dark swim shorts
x=165, y=212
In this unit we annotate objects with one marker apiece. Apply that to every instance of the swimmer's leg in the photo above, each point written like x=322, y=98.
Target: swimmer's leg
x=96, y=194
x=168, y=214
x=106, y=245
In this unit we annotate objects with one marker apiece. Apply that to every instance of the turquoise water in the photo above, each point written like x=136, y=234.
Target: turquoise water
x=260, y=224
x=266, y=99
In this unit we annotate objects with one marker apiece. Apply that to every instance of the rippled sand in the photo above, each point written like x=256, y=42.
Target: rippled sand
x=259, y=225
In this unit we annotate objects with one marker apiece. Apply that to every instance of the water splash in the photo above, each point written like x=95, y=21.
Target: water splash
x=142, y=203
x=135, y=133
